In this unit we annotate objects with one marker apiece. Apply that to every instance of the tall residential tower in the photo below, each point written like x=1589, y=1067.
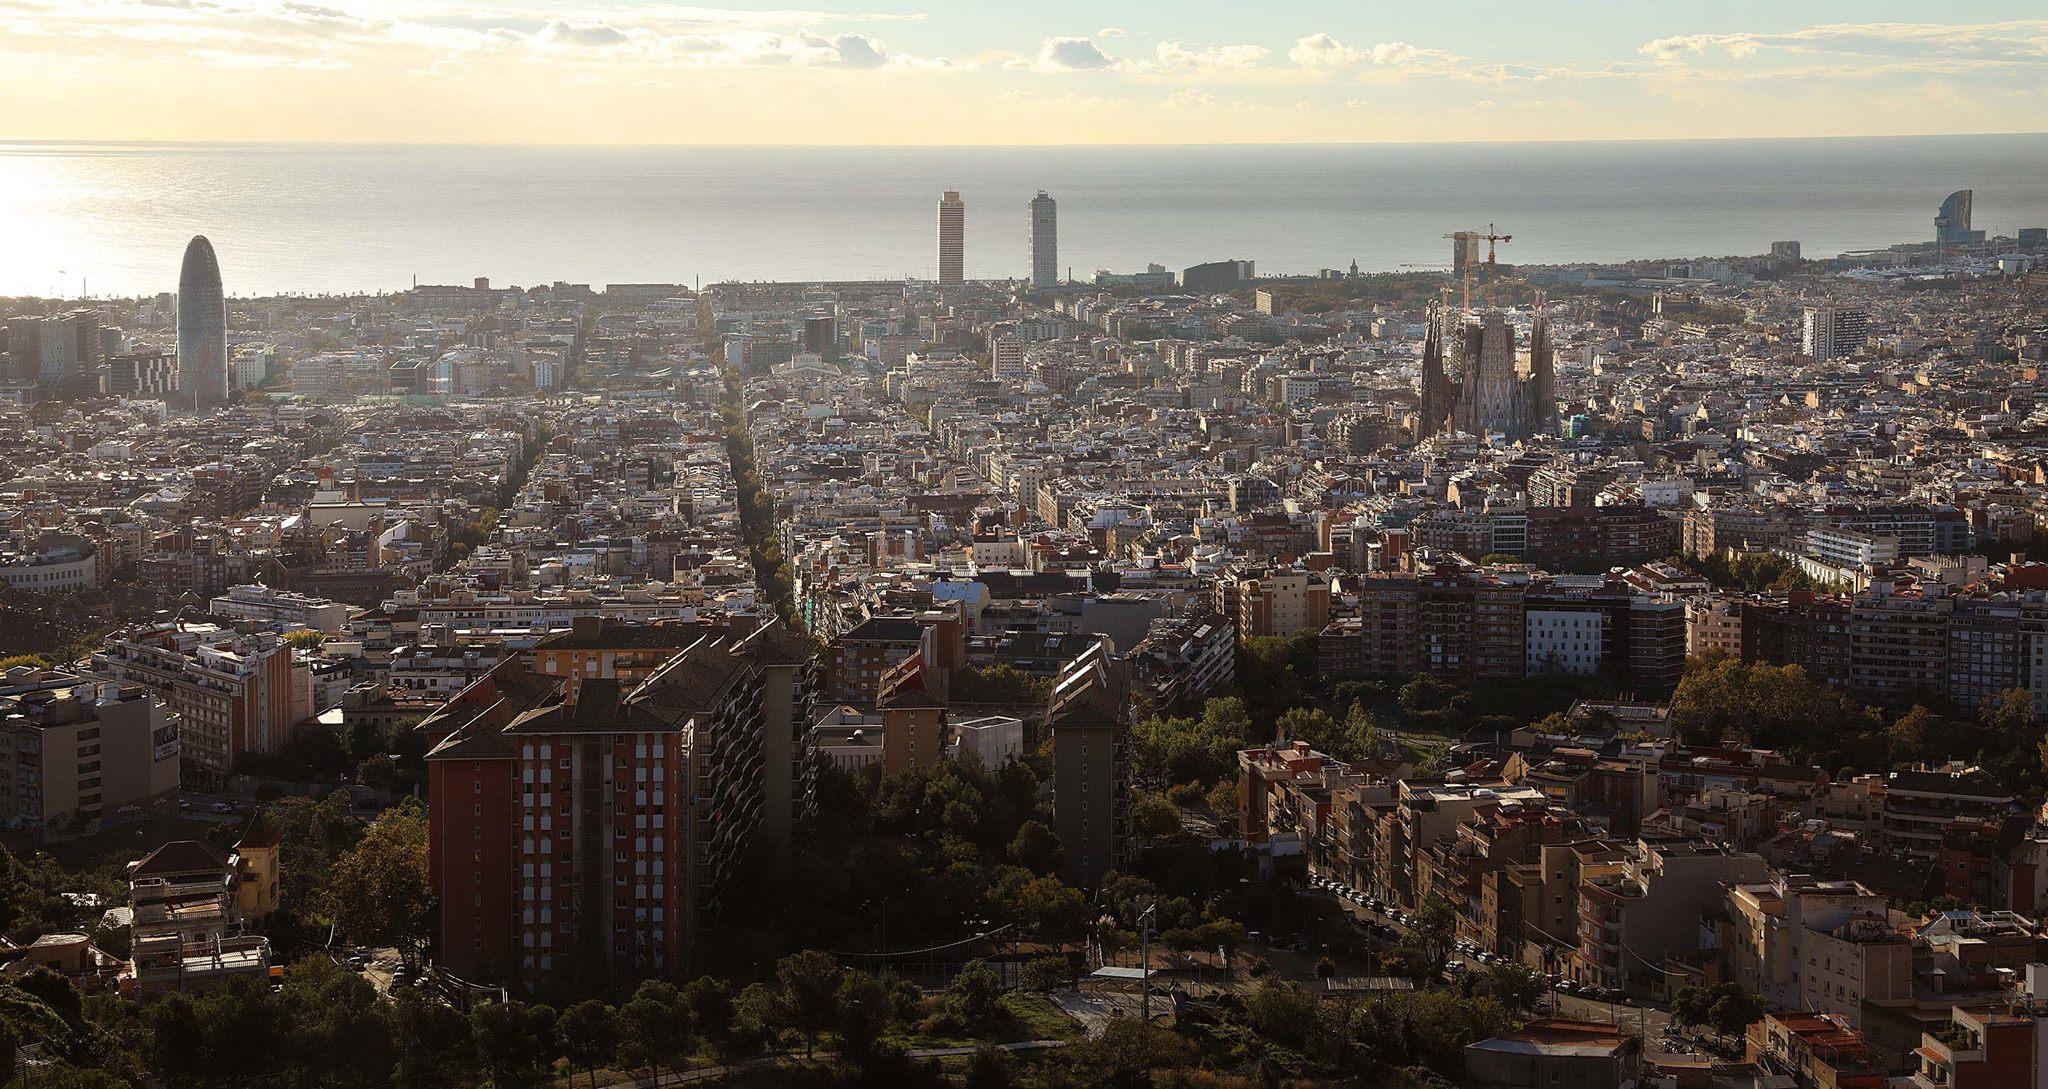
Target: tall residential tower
x=1045, y=241
x=952, y=238
x=202, y=328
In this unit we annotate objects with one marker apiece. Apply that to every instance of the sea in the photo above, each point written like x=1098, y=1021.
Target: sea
x=106, y=219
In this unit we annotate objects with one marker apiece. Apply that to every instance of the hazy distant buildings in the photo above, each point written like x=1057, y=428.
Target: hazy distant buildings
x=1785, y=251
x=202, y=327
x=1045, y=241
x=1473, y=380
x=60, y=354
x=952, y=238
x=1216, y=275
x=1833, y=332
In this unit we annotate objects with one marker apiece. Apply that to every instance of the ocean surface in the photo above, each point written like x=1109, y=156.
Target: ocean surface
x=113, y=219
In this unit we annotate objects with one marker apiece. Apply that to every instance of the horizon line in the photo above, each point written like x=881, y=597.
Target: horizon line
x=1233, y=144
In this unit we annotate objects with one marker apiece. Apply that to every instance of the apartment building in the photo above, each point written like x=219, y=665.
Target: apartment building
x=1460, y=622
x=1922, y=803
x=1182, y=659
x=1638, y=920
x=75, y=750
x=1281, y=603
x=1089, y=719
x=1808, y=944
x=233, y=694
x=281, y=609
x=1980, y=1049
x=604, y=819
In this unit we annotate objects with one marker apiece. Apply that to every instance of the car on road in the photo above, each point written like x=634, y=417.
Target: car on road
x=222, y=807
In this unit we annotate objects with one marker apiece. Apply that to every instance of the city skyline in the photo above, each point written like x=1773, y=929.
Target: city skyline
x=891, y=72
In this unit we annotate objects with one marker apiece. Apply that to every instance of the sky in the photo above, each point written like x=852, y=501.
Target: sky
x=964, y=72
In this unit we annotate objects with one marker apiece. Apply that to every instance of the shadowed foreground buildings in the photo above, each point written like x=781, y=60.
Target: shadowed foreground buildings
x=587, y=811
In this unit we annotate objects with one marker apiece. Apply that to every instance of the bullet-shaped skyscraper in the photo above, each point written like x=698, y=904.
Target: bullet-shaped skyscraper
x=202, y=328
x=952, y=238
x=1045, y=241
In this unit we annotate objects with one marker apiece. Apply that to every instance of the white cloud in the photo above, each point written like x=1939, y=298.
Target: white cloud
x=1110, y=32
x=1190, y=99
x=2013, y=44
x=1068, y=55
x=1394, y=53
x=1320, y=50
x=1174, y=58
x=424, y=39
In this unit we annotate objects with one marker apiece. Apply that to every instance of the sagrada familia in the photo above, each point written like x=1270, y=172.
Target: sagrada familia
x=1479, y=384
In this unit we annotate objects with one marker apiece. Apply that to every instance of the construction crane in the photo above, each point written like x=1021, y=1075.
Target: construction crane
x=1493, y=239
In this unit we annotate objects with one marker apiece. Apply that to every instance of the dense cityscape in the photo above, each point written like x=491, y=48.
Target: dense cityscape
x=1484, y=674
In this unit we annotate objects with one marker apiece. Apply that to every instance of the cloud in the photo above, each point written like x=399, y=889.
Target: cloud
x=1396, y=53
x=1190, y=99
x=850, y=50
x=1110, y=32
x=1073, y=55
x=1320, y=50
x=426, y=38
x=1174, y=58
x=2013, y=44
x=583, y=36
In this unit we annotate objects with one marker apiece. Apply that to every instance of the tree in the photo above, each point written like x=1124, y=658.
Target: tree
x=809, y=983
x=1735, y=1011
x=990, y=1067
x=975, y=995
x=1035, y=847
x=1046, y=974
x=1516, y=987
x=1776, y=707
x=1222, y=802
x=431, y=1039
x=513, y=1038
x=1153, y=817
x=711, y=1008
x=305, y=639
x=379, y=892
x=1725, y=1007
x=864, y=1007
x=1193, y=750
x=1431, y=701
x=176, y=1045
x=1127, y=1052
x=1052, y=909
x=654, y=1026
x=1282, y=1011
x=590, y=1035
